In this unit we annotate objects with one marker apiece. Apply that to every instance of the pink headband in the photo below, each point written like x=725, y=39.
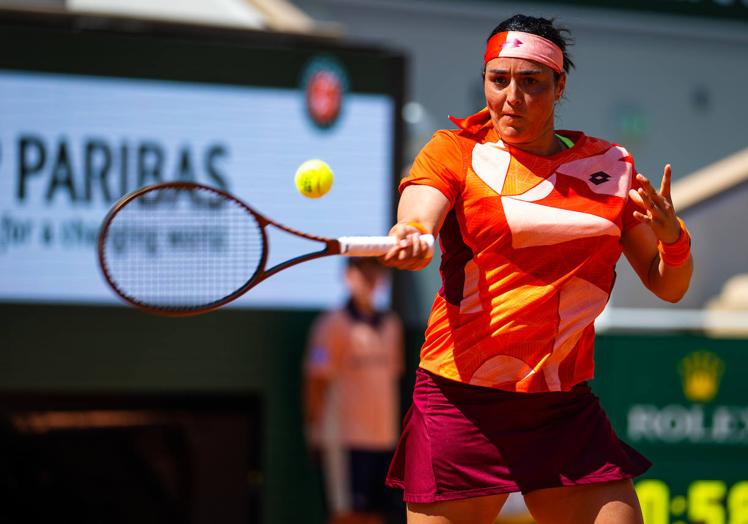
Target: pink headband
x=515, y=44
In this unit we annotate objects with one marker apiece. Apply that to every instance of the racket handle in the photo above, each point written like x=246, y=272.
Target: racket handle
x=373, y=246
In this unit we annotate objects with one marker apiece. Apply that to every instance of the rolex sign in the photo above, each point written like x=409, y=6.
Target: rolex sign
x=682, y=401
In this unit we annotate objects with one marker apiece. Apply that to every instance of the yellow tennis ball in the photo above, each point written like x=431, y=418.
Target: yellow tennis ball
x=313, y=178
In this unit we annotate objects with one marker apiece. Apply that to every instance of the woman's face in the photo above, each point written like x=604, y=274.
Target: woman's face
x=521, y=95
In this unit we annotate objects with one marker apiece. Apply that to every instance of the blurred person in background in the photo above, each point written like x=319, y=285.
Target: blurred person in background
x=353, y=366
x=532, y=221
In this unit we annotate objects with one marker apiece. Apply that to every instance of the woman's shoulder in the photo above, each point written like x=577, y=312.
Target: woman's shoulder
x=446, y=147
x=453, y=142
x=607, y=167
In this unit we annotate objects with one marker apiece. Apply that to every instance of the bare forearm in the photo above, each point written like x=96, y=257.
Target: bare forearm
x=668, y=282
x=423, y=205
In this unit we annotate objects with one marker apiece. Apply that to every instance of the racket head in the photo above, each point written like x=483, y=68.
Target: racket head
x=181, y=248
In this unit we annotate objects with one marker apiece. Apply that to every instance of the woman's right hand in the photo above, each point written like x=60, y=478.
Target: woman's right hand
x=411, y=252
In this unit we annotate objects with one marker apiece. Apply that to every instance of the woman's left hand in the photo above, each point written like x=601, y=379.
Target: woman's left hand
x=657, y=207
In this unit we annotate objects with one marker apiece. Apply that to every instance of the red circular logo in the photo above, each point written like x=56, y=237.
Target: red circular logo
x=325, y=83
x=324, y=97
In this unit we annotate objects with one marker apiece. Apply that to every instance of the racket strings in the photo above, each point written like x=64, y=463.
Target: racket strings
x=182, y=248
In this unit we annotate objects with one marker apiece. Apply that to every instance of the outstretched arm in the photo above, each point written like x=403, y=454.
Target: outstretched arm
x=659, y=230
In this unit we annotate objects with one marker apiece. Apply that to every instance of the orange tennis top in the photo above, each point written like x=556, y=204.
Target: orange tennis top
x=529, y=249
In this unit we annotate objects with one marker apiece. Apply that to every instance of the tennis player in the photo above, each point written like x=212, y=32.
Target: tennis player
x=532, y=221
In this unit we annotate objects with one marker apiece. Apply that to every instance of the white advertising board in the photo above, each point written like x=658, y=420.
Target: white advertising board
x=71, y=145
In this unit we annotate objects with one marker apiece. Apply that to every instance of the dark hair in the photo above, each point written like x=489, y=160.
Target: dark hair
x=541, y=27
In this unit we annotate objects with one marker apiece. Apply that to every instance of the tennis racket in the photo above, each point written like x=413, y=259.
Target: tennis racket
x=182, y=248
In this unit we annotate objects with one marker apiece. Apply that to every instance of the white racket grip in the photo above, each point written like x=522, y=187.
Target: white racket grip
x=373, y=246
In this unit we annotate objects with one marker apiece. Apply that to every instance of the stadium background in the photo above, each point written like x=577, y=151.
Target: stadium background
x=110, y=414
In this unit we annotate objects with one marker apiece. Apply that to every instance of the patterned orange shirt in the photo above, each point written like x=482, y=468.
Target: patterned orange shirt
x=529, y=249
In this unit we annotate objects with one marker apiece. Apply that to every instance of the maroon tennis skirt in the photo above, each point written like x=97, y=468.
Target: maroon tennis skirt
x=462, y=441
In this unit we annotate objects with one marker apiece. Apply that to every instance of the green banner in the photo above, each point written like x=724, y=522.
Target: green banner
x=683, y=402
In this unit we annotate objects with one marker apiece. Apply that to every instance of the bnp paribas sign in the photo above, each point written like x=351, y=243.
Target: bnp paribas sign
x=700, y=417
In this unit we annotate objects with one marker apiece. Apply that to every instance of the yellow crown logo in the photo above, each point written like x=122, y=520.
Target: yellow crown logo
x=700, y=373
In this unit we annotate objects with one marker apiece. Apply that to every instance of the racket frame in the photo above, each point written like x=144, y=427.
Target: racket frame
x=332, y=247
